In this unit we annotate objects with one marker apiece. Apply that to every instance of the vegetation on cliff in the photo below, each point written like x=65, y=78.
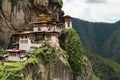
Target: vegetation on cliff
x=103, y=68
x=49, y=58
x=23, y=70
x=79, y=63
x=1, y=53
x=74, y=50
x=1, y=42
x=17, y=70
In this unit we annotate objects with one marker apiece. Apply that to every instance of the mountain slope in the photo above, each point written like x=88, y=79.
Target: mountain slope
x=101, y=38
x=112, y=45
x=103, y=68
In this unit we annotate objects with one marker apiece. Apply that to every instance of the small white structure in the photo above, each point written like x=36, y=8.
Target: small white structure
x=35, y=29
x=24, y=44
x=68, y=21
x=15, y=55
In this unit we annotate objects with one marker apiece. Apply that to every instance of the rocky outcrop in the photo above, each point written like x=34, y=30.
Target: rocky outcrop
x=87, y=72
x=16, y=13
x=81, y=66
x=57, y=68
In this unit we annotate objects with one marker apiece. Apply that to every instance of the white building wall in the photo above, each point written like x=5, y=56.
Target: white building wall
x=53, y=38
x=44, y=29
x=52, y=28
x=15, y=58
x=35, y=29
x=70, y=24
x=24, y=45
x=66, y=25
x=36, y=45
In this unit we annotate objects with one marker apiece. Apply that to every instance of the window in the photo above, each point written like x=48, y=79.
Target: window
x=21, y=58
x=24, y=41
x=35, y=29
x=68, y=24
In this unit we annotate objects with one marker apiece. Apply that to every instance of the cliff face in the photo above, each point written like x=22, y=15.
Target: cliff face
x=81, y=66
x=45, y=63
x=55, y=67
x=14, y=14
x=87, y=72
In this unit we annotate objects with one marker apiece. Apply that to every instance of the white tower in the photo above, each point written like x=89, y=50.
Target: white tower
x=68, y=21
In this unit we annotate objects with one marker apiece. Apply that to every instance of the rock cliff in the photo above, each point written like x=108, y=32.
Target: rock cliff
x=15, y=14
x=81, y=66
x=55, y=67
x=45, y=63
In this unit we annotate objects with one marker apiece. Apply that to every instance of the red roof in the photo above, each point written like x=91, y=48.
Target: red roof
x=15, y=50
x=21, y=52
x=68, y=17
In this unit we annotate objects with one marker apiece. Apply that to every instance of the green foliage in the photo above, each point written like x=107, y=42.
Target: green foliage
x=16, y=70
x=101, y=38
x=45, y=52
x=2, y=42
x=104, y=68
x=60, y=2
x=96, y=78
x=8, y=72
x=74, y=50
x=1, y=52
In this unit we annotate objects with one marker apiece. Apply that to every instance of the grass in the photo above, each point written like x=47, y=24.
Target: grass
x=10, y=64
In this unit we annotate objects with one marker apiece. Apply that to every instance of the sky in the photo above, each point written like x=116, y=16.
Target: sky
x=93, y=10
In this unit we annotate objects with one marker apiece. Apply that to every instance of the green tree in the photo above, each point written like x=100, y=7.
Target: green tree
x=104, y=68
x=1, y=52
x=74, y=49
